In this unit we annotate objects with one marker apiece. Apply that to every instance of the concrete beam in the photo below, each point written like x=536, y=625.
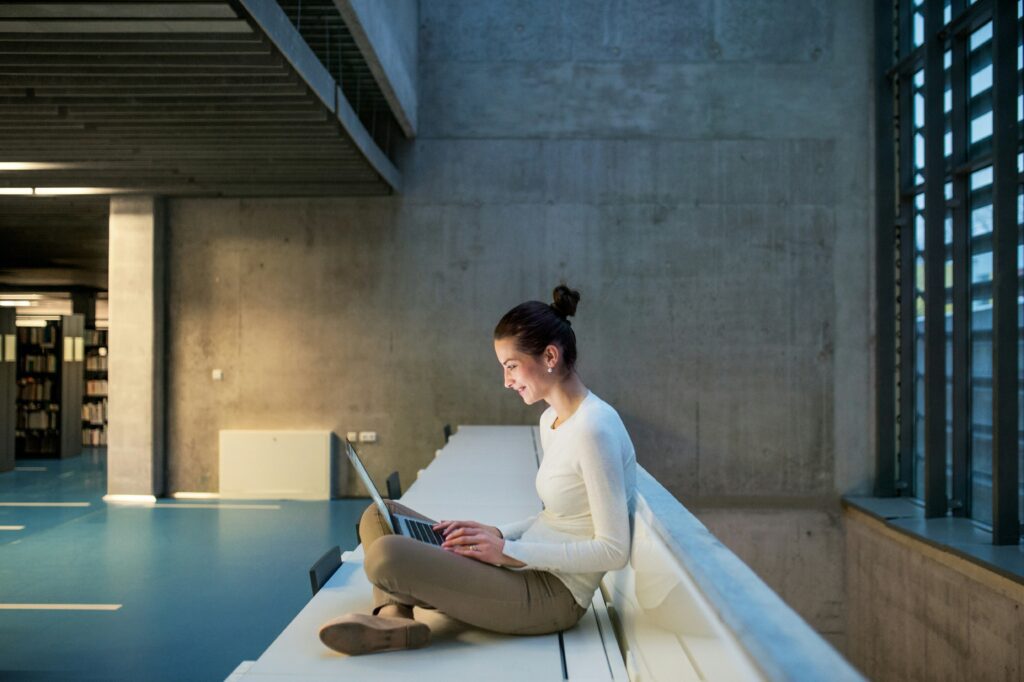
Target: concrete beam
x=280, y=31
x=387, y=34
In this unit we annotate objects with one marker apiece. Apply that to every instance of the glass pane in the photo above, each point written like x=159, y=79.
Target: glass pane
x=918, y=116
x=981, y=36
x=981, y=127
x=981, y=178
x=947, y=103
x=981, y=80
x=980, y=86
x=981, y=344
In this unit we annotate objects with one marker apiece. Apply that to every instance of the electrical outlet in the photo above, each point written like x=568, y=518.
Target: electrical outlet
x=367, y=436
x=352, y=436
x=217, y=374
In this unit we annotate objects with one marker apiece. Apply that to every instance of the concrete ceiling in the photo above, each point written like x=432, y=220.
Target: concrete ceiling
x=53, y=242
x=188, y=97
x=178, y=98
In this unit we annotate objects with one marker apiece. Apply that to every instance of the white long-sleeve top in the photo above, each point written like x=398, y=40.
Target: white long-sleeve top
x=587, y=482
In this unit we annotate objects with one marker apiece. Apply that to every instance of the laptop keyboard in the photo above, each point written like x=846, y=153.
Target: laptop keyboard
x=424, y=532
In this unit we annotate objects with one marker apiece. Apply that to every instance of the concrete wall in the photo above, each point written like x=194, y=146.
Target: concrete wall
x=798, y=551
x=700, y=171
x=917, y=613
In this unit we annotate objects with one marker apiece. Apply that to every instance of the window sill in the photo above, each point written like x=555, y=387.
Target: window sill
x=959, y=536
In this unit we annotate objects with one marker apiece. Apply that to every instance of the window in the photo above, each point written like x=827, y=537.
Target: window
x=951, y=234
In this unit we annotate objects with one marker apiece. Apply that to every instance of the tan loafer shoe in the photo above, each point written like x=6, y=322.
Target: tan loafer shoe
x=359, y=633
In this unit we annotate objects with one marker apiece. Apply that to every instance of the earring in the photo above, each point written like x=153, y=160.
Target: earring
x=550, y=370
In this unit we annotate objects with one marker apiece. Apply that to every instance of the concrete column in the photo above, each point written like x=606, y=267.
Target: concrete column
x=135, y=440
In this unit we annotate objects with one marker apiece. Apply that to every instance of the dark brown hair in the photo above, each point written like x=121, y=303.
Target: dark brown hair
x=535, y=325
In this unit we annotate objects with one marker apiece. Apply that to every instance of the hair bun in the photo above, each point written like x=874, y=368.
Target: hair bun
x=565, y=300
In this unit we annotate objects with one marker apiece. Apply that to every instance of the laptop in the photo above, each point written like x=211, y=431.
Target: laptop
x=400, y=524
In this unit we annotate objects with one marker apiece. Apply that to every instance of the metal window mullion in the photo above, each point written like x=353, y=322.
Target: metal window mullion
x=966, y=19
x=1005, y=505
x=908, y=350
x=907, y=304
x=905, y=17
x=935, y=501
x=961, y=502
x=885, y=255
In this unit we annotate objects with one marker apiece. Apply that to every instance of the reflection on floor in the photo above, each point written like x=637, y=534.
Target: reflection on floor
x=200, y=590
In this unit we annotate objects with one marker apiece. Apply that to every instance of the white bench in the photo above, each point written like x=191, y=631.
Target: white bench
x=685, y=608
x=485, y=473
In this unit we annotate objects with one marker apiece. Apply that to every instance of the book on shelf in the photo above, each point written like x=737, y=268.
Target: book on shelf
x=96, y=388
x=44, y=337
x=35, y=389
x=39, y=442
x=95, y=337
x=95, y=414
x=39, y=363
x=96, y=363
x=94, y=407
x=94, y=437
x=50, y=373
x=36, y=418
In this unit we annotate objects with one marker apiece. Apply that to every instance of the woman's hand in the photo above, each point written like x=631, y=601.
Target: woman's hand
x=474, y=540
x=447, y=527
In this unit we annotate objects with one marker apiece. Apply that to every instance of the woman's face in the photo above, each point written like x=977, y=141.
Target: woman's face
x=525, y=374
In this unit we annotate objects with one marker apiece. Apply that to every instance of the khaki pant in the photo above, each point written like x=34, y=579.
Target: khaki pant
x=413, y=573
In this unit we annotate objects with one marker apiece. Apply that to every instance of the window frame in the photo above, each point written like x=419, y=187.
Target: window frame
x=897, y=61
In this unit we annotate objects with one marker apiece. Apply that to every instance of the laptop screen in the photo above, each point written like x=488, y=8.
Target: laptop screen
x=368, y=482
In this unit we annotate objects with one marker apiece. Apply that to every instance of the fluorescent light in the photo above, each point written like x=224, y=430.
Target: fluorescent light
x=31, y=165
x=195, y=496
x=30, y=323
x=203, y=505
x=44, y=504
x=130, y=499
x=61, y=191
x=59, y=607
x=15, y=304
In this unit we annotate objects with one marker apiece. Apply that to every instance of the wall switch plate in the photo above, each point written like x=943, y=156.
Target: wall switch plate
x=352, y=436
x=218, y=374
x=367, y=436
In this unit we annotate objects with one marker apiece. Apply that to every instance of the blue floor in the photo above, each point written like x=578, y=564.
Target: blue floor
x=202, y=589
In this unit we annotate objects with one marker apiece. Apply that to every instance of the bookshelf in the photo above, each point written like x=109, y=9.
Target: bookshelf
x=49, y=380
x=94, y=399
x=8, y=388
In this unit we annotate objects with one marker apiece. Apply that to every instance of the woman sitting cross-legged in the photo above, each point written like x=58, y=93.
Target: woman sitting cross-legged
x=537, y=575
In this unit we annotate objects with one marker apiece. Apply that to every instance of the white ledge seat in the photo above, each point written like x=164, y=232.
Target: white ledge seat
x=667, y=616
x=687, y=608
